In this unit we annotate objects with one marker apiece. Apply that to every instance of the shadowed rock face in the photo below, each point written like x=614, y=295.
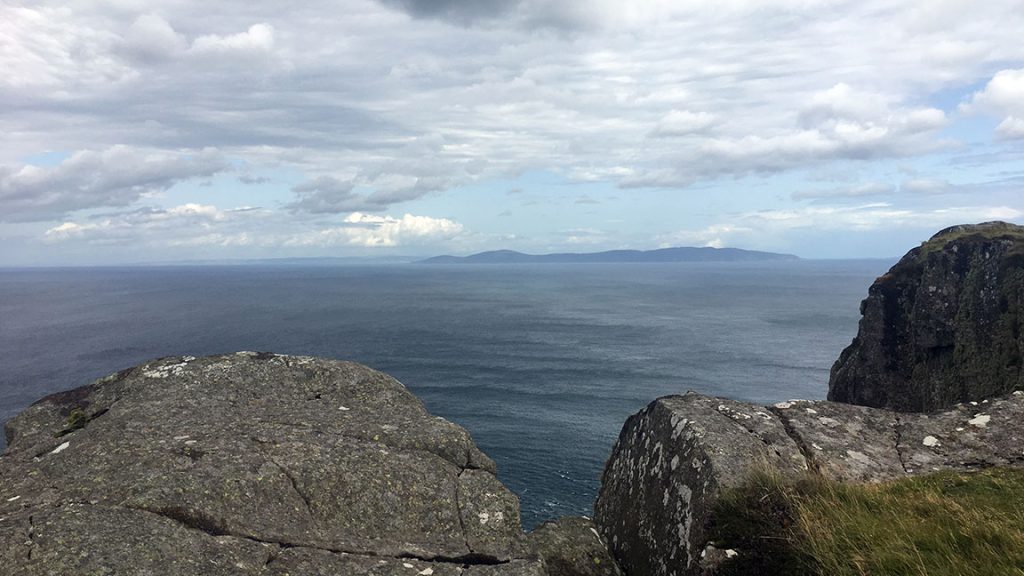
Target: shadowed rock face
x=674, y=458
x=943, y=326
x=253, y=464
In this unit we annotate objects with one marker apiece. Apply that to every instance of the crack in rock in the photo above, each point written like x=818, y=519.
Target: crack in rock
x=898, y=433
x=801, y=445
x=212, y=528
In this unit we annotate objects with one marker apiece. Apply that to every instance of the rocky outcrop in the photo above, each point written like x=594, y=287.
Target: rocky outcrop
x=944, y=325
x=251, y=464
x=674, y=459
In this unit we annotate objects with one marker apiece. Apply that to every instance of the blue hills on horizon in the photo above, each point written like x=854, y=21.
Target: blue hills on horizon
x=679, y=254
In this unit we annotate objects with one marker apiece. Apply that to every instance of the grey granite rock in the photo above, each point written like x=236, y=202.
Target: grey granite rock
x=945, y=325
x=666, y=470
x=572, y=546
x=674, y=458
x=249, y=463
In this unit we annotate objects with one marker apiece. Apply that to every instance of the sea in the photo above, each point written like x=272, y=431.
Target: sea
x=542, y=363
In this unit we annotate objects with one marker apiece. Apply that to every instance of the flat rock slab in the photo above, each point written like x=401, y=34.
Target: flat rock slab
x=673, y=459
x=246, y=464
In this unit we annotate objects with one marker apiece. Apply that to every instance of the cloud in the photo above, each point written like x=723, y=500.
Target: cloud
x=780, y=226
x=117, y=176
x=199, y=225
x=585, y=236
x=462, y=12
x=838, y=123
x=151, y=38
x=874, y=216
x=926, y=186
x=1011, y=128
x=185, y=225
x=1004, y=95
x=410, y=99
x=867, y=189
x=258, y=38
x=370, y=231
x=327, y=195
x=250, y=179
x=682, y=123
x=715, y=236
x=858, y=191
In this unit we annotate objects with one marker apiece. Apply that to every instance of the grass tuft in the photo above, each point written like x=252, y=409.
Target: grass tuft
x=948, y=523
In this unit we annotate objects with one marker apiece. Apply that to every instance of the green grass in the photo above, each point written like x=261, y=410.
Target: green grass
x=1010, y=231
x=941, y=524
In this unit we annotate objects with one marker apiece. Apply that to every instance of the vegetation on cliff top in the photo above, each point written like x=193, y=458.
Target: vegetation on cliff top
x=947, y=523
x=986, y=230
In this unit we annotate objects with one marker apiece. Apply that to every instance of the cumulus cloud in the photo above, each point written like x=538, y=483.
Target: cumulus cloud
x=1003, y=94
x=1011, y=128
x=117, y=176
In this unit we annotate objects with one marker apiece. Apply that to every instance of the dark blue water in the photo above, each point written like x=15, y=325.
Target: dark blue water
x=542, y=363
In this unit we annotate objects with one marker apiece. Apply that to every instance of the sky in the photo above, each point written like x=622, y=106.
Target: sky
x=146, y=131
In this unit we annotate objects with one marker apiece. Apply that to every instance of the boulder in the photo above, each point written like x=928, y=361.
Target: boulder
x=666, y=470
x=250, y=463
x=944, y=326
x=672, y=461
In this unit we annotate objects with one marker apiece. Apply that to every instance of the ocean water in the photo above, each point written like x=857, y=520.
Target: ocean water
x=542, y=363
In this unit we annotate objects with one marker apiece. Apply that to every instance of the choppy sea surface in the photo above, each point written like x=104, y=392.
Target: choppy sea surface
x=542, y=363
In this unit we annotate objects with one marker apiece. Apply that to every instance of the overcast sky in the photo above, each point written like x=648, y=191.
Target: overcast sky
x=138, y=131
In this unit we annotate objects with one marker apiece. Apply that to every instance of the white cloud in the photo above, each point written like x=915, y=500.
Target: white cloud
x=1003, y=94
x=395, y=108
x=715, y=236
x=874, y=216
x=200, y=225
x=186, y=224
x=682, y=123
x=116, y=176
x=258, y=38
x=371, y=231
x=1011, y=128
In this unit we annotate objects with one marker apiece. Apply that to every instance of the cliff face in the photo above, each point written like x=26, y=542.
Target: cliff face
x=943, y=326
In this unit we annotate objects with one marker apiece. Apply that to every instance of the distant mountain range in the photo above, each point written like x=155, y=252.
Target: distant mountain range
x=682, y=254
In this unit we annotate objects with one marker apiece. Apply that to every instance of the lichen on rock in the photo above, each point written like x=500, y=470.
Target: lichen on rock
x=248, y=464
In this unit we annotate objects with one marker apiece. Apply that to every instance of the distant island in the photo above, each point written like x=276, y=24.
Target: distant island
x=680, y=254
